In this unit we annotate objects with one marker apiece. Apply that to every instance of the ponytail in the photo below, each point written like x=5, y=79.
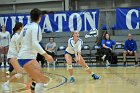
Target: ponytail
x=17, y=27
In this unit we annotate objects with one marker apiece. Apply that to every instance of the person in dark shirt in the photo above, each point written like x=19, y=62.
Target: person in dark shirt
x=107, y=45
x=41, y=58
x=130, y=48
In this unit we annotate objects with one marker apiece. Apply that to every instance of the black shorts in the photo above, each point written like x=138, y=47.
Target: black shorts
x=51, y=53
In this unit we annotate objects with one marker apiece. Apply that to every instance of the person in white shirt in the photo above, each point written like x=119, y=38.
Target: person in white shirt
x=4, y=40
x=73, y=51
x=12, y=52
x=30, y=38
x=12, y=56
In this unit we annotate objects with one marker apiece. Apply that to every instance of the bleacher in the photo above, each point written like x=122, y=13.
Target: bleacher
x=61, y=38
x=120, y=36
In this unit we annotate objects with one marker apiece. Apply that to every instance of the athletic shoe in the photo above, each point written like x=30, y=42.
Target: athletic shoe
x=5, y=87
x=2, y=64
x=7, y=64
x=72, y=79
x=95, y=77
x=125, y=64
x=8, y=72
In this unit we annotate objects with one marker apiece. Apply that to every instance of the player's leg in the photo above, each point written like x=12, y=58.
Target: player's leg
x=32, y=87
x=2, y=56
x=85, y=66
x=17, y=67
x=6, y=51
x=2, y=60
x=34, y=70
x=69, y=66
x=5, y=56
x=11, y=68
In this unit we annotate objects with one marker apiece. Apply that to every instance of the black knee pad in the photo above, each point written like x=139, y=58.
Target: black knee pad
x=32, y=87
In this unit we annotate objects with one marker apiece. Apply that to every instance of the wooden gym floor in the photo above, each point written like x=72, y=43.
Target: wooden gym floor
x=113, y=80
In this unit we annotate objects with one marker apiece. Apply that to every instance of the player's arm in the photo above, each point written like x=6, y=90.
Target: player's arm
x=79, y=49
x=8, y=38
x=18, y=40
x=35, y=43
x=74, y=48
x=0, y=40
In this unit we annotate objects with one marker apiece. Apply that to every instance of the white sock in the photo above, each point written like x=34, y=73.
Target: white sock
x=7, y=82
x=72, y=76
x=104, y=56
x=107, y=62
x=39, y=87
x=92, y=73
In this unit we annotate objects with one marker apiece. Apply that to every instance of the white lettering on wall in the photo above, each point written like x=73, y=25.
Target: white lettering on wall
x=129, y=18
x=71, y=22
x=60, y=21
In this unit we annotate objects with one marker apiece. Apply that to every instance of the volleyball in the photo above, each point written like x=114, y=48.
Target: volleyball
x=92, y=33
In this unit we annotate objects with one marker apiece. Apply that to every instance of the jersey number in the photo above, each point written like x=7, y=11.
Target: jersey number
x=24, y=32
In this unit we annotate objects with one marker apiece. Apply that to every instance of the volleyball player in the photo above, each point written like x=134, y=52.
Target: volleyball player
x=73, y=51
x=12, y=55
x=30, y=37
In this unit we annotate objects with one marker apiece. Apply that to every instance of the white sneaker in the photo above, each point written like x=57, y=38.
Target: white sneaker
x=2, y=64
x=7, y=64
x=103, y=58
x=5, y=87
x=8, y=72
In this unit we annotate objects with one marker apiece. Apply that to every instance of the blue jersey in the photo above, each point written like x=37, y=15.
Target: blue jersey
x=130, y=45
x=108, y=43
